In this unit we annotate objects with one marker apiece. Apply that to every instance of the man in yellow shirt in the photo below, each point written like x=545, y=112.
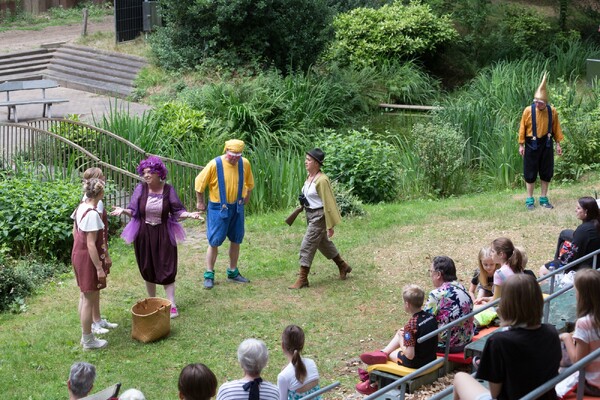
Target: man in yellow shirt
x=230, y=181
x=539, y=127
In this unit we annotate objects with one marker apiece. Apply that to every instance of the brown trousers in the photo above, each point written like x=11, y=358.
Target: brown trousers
x=315, y=239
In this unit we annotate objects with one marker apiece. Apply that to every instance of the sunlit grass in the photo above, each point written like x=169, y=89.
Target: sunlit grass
x=387, y=249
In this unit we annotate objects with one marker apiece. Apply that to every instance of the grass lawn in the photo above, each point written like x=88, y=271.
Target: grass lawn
x=387, y=249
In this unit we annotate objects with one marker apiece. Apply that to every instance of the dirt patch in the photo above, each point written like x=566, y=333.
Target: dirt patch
x=21, y=40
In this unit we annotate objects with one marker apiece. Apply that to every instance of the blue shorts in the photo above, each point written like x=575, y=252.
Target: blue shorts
x=224, y=223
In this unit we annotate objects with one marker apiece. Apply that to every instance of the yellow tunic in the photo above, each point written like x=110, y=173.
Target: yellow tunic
x=541, y=119
x=208, y=177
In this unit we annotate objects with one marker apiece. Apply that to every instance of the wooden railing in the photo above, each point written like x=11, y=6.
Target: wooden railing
x=58, y=145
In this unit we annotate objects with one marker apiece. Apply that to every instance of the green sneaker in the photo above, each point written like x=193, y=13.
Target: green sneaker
x=530, y=203
x=545, y=203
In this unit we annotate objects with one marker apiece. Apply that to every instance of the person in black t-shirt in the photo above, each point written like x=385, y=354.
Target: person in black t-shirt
x=573, y=245
x=525, y=353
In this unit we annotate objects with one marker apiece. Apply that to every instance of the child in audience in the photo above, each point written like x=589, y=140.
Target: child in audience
x=586, y=337
x=300, y=377
x=404, y=348
x=197, y=382
x=483, y=279
x=510, y=259
x=468, y=388
x=525, y=353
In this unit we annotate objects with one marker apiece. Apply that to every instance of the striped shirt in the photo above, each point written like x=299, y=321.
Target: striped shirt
x=588, y=333
x=233, y=390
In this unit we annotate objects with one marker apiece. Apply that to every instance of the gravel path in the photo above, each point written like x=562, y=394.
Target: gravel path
x=20, y=40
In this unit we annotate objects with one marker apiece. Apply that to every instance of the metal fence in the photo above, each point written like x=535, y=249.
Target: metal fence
x=63, y=148
x=129, y=21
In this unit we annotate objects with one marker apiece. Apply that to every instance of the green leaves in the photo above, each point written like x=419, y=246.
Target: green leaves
x=34, y=217
x=440, y=151
x=366, y=36
x=362, y=163
x=289, y=34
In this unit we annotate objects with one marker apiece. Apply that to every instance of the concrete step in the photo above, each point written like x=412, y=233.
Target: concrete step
x=25, y=53
x=34, y=58
x=20, y=71
x=96, y=74
x=87, y=85
x=23, y=76
x=22, y=66
x=88, y=52
x=85, y=64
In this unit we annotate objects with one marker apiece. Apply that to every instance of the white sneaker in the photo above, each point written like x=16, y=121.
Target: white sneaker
x=94, y=343
x=98, y=329
x=105, y=324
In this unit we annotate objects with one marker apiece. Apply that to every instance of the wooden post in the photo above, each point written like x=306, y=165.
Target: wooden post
x=85, y=20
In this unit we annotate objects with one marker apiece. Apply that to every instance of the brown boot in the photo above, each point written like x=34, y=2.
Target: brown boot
x=342, y=266
x=302, y=279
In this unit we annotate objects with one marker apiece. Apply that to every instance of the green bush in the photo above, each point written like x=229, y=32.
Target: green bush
x=366, y=36
x=521, y=29
x=34, y=217
x=18, y=279
x=178, y=125
x=580, y=121
x=289, y=34
x=364, y=164
x=349, y=204
x=440, y=151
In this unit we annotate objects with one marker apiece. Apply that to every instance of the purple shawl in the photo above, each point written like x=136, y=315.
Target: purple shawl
x=172, y=210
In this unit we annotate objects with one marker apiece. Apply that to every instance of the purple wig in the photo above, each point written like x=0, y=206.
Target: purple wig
x=156, y=167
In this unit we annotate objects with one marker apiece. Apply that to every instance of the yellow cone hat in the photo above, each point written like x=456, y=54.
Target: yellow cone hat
x=542, y=93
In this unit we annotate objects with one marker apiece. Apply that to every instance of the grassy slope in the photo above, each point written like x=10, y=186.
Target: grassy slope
x=388, y=248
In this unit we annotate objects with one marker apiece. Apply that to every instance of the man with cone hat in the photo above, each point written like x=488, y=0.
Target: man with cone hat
x=538, y=130
x=230, y=181
x=322, y=215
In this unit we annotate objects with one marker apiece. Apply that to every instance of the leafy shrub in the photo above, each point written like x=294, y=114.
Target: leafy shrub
x=18, y=279
x=440, y=151
x=364, y=164
x=349, y=204
x=581, y=123
x=34, y=217
x=288, y=34
x=366, y=36
x=521, y=29
x=178, y=124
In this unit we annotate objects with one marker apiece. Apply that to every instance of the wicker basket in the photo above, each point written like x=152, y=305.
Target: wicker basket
x=151, y=319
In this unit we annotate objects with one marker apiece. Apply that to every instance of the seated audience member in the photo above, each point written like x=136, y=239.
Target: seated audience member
x=81, y=380
x=483, y=278
x=586, y=337
x=468, y=388
x=573, y=245
x=449, y=301
x=197, y=382
x=525, y=353
x=132, y=394
x=300, y=377
x=252, y=356
x=404, y=348
x=510, y=259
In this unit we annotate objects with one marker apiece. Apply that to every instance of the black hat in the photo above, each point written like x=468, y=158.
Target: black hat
x=317, y=154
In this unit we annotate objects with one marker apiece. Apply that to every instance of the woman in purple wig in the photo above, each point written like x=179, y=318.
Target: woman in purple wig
x=155, y=209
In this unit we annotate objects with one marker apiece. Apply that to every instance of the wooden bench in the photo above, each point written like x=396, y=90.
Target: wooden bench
x=385, y=374
x=40, y=84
